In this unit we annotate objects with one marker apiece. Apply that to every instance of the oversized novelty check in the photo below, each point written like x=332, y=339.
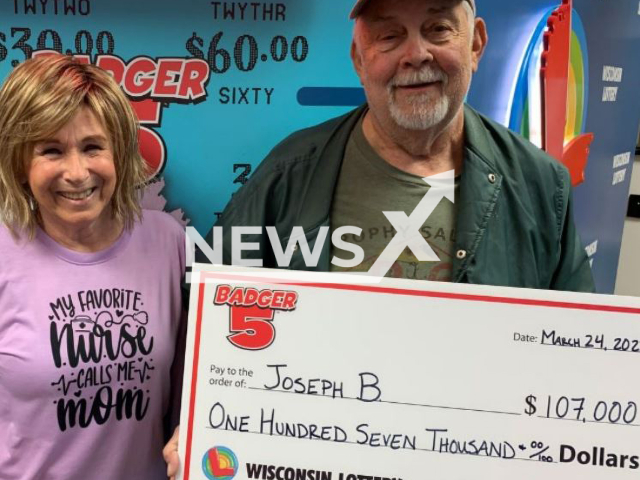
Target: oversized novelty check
x=292, y=378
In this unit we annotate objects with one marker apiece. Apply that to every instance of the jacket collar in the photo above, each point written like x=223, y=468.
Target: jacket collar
x=477, y=138
x=315, y=207
x=480, y=187
x=478, y=193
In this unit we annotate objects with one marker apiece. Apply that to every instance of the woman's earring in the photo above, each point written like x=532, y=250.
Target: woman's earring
x=32, y=204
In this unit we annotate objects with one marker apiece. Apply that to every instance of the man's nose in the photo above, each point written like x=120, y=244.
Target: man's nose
x=76, y=167
x=418, y=51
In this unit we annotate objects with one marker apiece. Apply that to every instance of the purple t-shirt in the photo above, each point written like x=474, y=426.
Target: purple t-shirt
x=86, y=346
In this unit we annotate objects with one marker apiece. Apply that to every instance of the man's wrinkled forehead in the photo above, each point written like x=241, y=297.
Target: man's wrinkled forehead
x=436, y=5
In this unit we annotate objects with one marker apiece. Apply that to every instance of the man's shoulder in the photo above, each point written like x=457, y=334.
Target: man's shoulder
x=294, y=159
x=283, y=177
x=305, y=143
x=508, y=148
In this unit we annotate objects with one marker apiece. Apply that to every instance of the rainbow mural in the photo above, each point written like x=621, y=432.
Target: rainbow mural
x=552, y=85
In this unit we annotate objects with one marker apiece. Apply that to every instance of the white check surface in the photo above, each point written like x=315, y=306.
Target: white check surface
x=473, y=382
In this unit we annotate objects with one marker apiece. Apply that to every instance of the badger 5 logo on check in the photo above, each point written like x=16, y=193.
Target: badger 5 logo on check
x=251, y=313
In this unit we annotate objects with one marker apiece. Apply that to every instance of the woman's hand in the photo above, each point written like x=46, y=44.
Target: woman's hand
x=170, y=454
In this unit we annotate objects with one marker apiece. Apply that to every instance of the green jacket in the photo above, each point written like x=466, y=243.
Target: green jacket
x=514, y=220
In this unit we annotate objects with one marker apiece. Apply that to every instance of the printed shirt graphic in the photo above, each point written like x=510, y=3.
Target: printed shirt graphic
x=86, y=345
x=368, y=186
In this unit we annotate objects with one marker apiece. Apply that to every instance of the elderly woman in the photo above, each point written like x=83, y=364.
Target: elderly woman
x=89, y=284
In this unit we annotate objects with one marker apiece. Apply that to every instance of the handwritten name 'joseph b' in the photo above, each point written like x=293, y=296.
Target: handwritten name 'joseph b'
x=369, y=389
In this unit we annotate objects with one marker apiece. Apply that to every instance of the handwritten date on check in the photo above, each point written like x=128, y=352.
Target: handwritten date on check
x=289, y=377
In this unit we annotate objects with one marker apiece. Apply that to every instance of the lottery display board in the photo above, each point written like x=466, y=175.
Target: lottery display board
x=217, y=84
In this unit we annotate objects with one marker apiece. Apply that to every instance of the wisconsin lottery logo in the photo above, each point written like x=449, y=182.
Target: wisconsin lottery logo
x=220, y=463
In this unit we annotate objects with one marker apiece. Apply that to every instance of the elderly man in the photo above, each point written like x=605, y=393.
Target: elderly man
x=488, y=206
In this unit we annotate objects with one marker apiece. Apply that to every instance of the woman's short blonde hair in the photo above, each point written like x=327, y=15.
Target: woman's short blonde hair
x=40, y=97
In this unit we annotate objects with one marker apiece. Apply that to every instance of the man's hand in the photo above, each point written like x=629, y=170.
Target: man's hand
x=170, y=454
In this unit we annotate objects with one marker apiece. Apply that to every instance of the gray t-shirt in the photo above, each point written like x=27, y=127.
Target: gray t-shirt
x=368, y=186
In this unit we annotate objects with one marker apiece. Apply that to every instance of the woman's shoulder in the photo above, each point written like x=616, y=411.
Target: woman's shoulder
x=158, y=232
x=9, y=242
x=159, y=235
x=18, y=253
x=162, y=222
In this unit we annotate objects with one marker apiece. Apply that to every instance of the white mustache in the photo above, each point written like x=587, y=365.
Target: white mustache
x=425, y=75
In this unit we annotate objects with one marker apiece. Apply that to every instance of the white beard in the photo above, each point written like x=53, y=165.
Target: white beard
x=417, y=114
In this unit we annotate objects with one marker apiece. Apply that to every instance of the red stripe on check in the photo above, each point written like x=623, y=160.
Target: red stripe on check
x=474, y=298
x=194, y=378
x=364, y=288
x=426, y=293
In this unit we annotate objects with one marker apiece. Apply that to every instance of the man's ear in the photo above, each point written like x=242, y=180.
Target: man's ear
x=480, y=39
x=356, y=59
